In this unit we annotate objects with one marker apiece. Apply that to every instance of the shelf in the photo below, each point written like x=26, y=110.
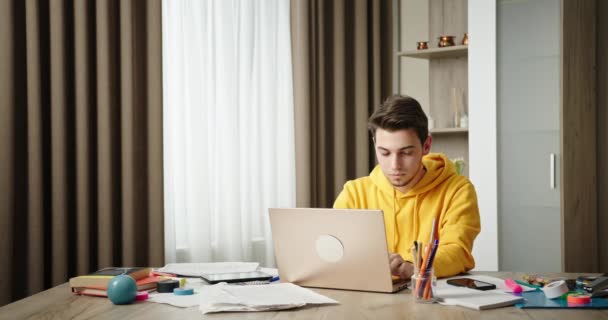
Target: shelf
x=449, y=130
x=435, y=53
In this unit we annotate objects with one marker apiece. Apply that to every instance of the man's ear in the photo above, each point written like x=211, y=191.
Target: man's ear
x=426, y=147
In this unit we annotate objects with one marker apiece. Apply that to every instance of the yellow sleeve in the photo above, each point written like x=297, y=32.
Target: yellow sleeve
x=345, y=200
x=459, y=227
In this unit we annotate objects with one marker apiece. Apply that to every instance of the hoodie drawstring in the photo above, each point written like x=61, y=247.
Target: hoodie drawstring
x=415, y=217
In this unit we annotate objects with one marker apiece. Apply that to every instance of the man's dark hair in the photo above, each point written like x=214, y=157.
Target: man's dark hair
x=399, y=112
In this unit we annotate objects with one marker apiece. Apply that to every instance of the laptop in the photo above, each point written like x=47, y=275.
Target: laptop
x=333, y=248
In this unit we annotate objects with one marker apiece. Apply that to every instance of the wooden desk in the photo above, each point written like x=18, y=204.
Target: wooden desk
x=60, y=303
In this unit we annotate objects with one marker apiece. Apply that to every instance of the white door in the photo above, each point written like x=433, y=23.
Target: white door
x=528, y=148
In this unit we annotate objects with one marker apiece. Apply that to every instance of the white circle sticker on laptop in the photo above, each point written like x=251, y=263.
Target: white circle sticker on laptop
x=329, y=248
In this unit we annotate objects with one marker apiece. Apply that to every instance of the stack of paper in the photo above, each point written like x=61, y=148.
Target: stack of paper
x=281, y=296
x=199, y=269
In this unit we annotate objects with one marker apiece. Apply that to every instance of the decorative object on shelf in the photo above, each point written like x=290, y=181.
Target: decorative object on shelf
x=431, y=123
x=446, y=41
x=464, y=120
x=459, y=163
x=422, y=45
x=458, y=106
x=455, y=107
x=464, y=116
x=465, y=39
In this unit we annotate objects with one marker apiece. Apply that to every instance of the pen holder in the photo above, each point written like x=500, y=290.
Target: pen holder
x=424, y=286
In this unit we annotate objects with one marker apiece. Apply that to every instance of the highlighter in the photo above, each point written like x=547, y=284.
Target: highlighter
x=513, y=286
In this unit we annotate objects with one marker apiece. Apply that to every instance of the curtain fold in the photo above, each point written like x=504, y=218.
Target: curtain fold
x=342, y=61
x=80, y=140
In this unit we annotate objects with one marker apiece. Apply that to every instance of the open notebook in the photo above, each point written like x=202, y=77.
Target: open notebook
x=476, y=299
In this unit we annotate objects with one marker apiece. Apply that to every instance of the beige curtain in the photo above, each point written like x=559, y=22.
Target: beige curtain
x=80, y=140
x=342, y=60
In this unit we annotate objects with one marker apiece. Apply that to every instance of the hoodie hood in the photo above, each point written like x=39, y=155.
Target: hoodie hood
x=438, y=169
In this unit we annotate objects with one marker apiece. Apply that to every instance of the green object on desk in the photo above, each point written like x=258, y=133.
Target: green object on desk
x=523, y=283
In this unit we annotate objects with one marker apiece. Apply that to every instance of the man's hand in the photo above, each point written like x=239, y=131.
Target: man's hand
x=400, y=267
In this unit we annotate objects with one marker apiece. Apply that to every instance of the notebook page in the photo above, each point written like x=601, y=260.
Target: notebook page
x=201, y=268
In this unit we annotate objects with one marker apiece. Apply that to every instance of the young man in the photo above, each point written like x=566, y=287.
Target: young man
x=414, y=188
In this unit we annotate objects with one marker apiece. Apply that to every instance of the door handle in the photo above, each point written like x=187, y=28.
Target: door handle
x=552, y=170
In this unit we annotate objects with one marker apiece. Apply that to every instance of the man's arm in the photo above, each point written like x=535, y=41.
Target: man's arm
x=459, y=227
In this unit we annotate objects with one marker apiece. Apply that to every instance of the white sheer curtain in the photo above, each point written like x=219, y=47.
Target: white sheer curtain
x=228, y=127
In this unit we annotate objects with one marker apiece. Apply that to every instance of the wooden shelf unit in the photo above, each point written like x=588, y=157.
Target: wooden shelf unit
x=431, y=75
x=436, y=53
x=449, y=130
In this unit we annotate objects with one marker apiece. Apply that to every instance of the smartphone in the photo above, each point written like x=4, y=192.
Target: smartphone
x=471, y=283
x=236, y=277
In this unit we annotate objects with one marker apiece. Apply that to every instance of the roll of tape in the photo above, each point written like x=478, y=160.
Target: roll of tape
x=579, y=298
x=555, y=289
x=167, y=286
x=183, y=291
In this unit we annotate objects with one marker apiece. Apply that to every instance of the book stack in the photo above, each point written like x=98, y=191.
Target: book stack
x=96, y=284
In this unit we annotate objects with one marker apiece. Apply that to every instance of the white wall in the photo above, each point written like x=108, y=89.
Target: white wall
x=415, y=72
x=482, y=127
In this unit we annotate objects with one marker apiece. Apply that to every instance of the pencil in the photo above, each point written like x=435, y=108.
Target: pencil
x=414, y=257
x=431, y=261
x=419, y=253
x=433, y=231
x=427, y=253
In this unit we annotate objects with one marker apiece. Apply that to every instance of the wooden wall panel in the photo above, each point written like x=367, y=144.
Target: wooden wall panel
x=602, y=143
x=579, y=130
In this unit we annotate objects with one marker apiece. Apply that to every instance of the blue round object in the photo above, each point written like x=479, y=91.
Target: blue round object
x=122, y=289
x=183, y=291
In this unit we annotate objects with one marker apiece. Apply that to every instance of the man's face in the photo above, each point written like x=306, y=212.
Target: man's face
x=400, y=155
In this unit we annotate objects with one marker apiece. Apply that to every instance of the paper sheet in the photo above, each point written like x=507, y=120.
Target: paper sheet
x=180, y=301
x=280, y=296
x=199, y=269
x=175, y=300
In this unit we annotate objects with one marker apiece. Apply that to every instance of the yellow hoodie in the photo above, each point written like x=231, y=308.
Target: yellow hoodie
x=409, y=217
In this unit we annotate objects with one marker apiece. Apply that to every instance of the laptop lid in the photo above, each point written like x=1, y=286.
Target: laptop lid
x=332, y=248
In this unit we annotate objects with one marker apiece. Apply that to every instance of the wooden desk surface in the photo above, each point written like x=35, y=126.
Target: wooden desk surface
x=60, y=303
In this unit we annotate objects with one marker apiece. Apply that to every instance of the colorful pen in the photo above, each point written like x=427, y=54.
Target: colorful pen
x=523, y=283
